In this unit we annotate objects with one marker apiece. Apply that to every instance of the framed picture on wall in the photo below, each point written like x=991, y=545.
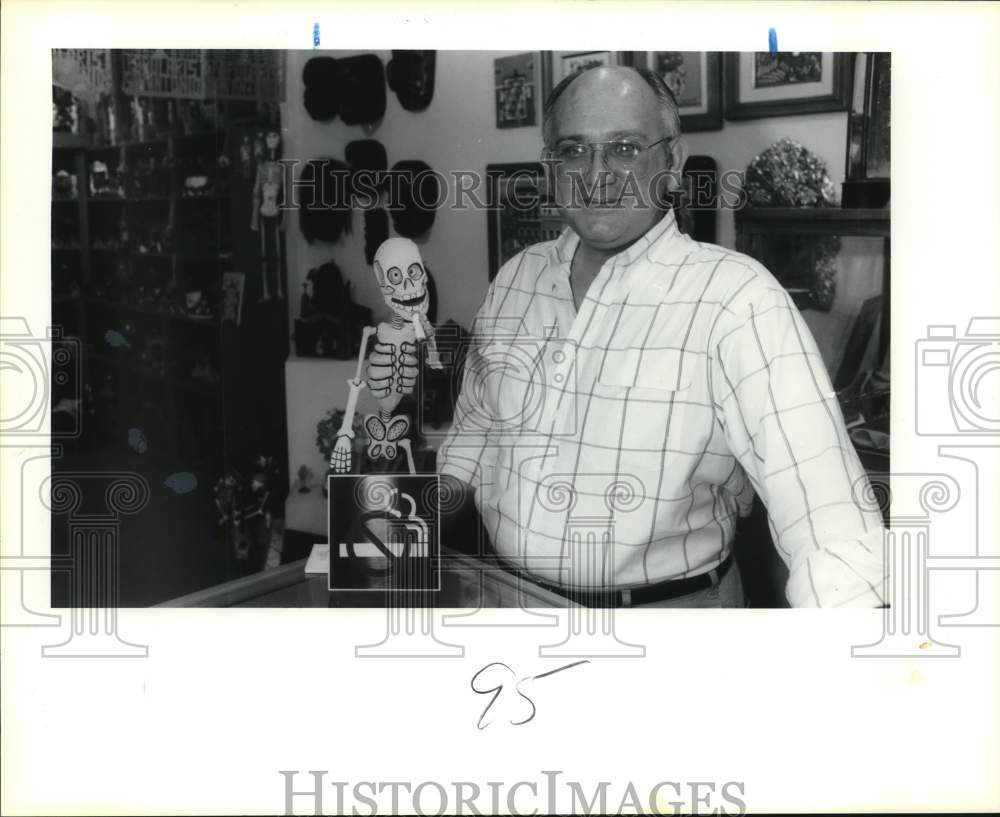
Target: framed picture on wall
x=557, y=65
x=516, y=84
x=786, y=83
x=519, y=213
x=695, y=77
x=868, y=134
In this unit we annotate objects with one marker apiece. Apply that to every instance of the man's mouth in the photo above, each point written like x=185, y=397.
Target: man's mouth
x=419, y=299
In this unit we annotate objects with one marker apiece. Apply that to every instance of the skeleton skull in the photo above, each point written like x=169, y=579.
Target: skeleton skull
x=399, y=271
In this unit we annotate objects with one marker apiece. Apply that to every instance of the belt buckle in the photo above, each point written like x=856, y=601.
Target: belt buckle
x=626, y=597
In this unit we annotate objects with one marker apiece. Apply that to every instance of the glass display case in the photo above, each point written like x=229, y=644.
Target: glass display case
x=466, y=582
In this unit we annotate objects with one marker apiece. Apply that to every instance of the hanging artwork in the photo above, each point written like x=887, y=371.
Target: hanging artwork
x=785, y=83
x=695, y=78
x=85, y=72
x=868, y=134
x=515, y=82
x=521, y=212
x=191, y=73
x=557, y=65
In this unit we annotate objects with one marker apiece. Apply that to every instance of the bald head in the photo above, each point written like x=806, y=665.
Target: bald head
x=612, y=104
x=597, y=95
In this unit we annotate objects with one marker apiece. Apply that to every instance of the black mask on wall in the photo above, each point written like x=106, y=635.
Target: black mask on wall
x=366, y=156
x=319, y=76
x=319, y=221
x=376, y=231
x=418, y=194
x=411, y=76
x=361, y=86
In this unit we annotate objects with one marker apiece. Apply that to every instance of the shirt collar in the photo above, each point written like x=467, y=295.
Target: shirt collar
x=654, y=243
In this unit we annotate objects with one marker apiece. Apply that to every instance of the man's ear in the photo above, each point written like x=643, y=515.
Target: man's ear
x=379, y=274
x=678, y=156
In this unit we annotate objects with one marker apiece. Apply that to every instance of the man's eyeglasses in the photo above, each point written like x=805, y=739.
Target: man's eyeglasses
x=621, y=156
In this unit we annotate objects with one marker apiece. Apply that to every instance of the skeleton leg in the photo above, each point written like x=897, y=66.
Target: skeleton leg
x=405, y=445
x=265, y=296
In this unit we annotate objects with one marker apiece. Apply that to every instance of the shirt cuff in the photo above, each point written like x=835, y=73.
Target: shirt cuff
x=849, y=573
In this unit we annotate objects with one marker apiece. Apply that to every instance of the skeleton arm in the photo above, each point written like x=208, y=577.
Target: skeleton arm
x=340, y=457
x=424, y=331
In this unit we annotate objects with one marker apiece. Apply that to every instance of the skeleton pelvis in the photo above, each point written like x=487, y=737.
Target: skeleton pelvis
x=383, y=436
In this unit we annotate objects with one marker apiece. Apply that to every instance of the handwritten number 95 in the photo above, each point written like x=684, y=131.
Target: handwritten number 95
x=496, y=678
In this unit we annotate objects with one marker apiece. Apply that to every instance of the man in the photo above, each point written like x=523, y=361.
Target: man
x=630, y=389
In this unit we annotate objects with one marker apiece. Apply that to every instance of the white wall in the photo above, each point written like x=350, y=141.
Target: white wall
x=458, y=132
x=735, y=146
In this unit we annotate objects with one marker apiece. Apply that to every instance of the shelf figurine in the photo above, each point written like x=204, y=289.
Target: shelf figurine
x=392, y=365
x=266, y=212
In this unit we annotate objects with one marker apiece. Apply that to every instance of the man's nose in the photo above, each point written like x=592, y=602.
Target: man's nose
x=598, y=173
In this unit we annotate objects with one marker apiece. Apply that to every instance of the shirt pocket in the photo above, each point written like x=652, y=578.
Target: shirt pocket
x=653, y=374
x=648, y=405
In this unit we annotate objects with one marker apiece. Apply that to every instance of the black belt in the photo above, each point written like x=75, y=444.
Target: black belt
x=635, y=596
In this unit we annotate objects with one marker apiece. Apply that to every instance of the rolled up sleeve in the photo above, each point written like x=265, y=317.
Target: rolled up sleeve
x=783, y=423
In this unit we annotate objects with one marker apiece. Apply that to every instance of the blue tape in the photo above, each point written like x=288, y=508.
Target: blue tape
x=772, y=41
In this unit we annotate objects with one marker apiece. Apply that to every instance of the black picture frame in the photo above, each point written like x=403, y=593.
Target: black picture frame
x=837, y=99
x=512, y=225
x=528, y=95
x=868, y=133
x=711, y=118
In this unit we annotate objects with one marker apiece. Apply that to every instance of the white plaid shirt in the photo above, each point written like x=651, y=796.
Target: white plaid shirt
x=616, y=446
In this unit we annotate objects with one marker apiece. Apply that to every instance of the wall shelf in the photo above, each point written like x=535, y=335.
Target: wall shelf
x=819, y=220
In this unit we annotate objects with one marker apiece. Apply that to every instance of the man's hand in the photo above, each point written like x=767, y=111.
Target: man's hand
x=391, y=367
x=461, y=528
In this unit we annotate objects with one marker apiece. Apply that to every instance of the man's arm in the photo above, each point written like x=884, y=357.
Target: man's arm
x=461, y=456
x=468, y=441
x=782, y=420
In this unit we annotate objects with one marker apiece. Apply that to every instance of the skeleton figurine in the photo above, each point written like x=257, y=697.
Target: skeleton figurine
x=392, y=366
x=266, y=215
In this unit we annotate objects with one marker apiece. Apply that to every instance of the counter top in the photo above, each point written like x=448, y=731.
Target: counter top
x=466, y=582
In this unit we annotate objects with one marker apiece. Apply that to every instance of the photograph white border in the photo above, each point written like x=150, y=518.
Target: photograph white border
x=226, y=699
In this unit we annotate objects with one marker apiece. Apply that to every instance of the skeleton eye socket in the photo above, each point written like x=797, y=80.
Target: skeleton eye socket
x=415, y=271
x=395, y=275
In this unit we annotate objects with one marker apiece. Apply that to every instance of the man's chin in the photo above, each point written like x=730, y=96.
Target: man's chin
x=600, y=224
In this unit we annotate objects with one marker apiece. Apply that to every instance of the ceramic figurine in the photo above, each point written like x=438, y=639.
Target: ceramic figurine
x=392, y=365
